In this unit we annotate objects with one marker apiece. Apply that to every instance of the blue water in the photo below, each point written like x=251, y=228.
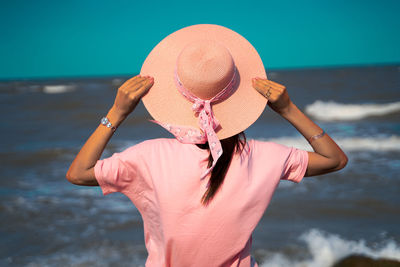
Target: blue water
x=47, y=221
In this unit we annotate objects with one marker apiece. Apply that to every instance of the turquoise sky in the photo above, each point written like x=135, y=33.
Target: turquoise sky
x=41, y=39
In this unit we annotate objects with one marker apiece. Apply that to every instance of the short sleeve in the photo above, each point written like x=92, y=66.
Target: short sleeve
x=118, y=172
x=295, y=165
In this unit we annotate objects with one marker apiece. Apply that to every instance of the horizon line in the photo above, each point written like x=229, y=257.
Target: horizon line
x=108, y=76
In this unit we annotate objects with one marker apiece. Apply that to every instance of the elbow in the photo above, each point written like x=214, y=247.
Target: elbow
x=67, y=176
x=342, y=162
x=71, y=177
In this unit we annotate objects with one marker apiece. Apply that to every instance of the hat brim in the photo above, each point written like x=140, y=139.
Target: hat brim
x=165, y=103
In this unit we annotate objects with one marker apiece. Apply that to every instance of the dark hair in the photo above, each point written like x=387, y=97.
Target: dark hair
x=230, y=145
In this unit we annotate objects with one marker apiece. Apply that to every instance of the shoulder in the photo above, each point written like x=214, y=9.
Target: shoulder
x=270, y=149
x=263, y=145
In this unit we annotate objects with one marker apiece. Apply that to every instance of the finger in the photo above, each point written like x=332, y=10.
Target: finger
x=268, y=93
x=271, y=83
x=142, y=89
x=276, y=90
x=132, y=85
x=264, y=92
x=147, y=78
x=266, y=87
x=262, y=85
x=258, y=86
x=134, y=78
x=141, y=84
x=261, y=88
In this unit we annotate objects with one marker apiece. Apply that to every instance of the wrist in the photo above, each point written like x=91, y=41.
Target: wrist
x=115, y=117
x=288, y=110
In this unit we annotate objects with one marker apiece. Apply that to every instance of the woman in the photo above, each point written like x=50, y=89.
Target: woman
x=190, y=220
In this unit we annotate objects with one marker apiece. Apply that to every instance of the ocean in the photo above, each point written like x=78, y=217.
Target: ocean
x=47, y=221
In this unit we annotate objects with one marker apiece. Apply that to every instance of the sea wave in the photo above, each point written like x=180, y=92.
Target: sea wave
x=326, y=249
x=331, y=111
x=57, y=89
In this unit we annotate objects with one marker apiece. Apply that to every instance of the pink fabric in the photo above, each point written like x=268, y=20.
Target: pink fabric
x=207, y=121
x=160, y=177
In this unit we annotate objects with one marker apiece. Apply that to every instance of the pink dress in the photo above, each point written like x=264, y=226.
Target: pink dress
x=161, y=178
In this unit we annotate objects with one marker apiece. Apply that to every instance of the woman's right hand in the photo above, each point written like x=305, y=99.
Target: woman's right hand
x=277, y=95
x=130, y=93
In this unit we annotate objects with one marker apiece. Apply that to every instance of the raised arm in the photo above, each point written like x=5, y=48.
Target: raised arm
x=327, y=155
x=81, y=171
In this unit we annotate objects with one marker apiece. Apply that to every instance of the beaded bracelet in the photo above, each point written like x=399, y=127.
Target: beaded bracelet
x=104, y=121
x=312, y=138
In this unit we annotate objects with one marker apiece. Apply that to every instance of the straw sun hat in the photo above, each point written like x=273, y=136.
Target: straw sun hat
x=206, y=58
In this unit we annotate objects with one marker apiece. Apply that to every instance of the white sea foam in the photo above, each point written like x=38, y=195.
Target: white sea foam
x=326, y=249
x=57, y=89
x=331, y=110
x=389, y=143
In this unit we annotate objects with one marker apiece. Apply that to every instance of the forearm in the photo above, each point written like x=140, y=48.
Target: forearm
x=324, y=146
x=92, y=150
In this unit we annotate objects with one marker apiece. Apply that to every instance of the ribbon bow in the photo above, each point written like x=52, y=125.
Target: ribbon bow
x=207, y=121
x=203, y=107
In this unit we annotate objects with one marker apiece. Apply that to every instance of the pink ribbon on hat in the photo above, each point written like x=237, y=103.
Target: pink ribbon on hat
x=207, y=121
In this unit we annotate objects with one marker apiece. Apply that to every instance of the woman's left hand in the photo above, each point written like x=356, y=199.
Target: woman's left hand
x=130, y=93
x=277, y=95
